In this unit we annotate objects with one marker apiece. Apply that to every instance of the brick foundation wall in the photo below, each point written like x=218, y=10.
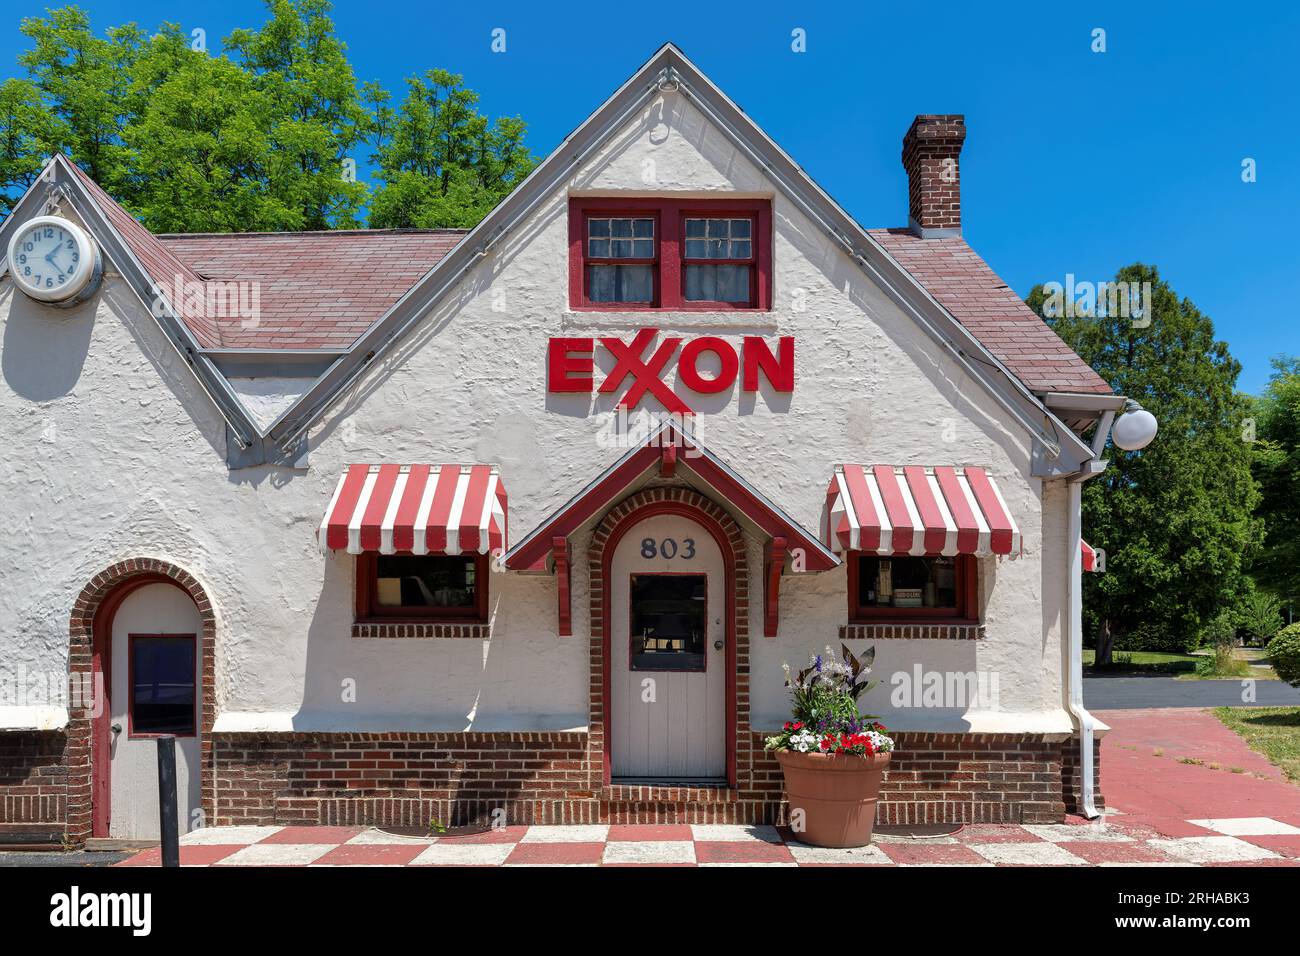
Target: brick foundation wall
x=410, y=778
x=33, y=782
x=960, y=778
x=1072, y=778
x=402, y=778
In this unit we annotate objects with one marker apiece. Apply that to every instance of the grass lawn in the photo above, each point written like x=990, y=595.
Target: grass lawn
x=1271, y=731
x=1153, y=662
x=1179, y=665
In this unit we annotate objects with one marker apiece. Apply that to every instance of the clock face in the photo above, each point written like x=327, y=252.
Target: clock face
x=52, y=259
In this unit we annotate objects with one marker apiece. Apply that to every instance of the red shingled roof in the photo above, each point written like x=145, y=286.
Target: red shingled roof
x=321, y=290
x=161, y=265
x=964, y=284
x=317, y=290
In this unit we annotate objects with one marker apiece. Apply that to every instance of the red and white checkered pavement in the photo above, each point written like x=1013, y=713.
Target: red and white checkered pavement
x=1248, y=841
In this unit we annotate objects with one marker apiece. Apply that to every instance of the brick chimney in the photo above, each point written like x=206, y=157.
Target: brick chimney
x=931, y=150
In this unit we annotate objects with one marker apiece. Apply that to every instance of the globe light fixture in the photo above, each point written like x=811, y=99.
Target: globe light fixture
x=1135, y=428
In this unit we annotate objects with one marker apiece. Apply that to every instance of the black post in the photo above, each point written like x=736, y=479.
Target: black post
x=171, y=848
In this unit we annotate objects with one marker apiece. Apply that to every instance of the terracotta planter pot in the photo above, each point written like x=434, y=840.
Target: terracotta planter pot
x=837, y=795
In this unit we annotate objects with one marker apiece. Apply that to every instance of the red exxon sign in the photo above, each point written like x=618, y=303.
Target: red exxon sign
x=571, y=364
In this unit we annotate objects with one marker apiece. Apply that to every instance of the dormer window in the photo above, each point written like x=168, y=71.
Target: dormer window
x=669, y=254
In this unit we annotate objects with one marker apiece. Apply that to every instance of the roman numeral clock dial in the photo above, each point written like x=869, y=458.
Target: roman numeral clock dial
x=54, y=260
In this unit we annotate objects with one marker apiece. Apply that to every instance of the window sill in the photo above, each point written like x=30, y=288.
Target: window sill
x=948, y=630
x=473, y=630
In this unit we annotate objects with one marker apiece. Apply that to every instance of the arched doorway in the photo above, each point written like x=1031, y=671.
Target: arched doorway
x=141, y=665
x=687, y=514
x=668, y=662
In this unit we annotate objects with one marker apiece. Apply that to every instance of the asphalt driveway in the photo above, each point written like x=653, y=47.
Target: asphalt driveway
x=1125, y=693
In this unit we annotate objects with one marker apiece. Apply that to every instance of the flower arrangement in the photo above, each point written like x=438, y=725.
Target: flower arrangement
x=824, y=698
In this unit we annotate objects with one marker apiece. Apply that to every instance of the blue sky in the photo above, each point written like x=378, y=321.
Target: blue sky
x=1075, y=162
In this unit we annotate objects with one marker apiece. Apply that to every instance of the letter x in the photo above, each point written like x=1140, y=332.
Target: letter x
x=645, y=374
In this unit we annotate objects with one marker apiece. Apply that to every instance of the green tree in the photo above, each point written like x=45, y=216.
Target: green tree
x=1277, y=468
x=265, y=136
x=1176, y=518
x=84, y=83
x=441, y=163
x=200, y=153
x=24, y=134
x=312, y=111
x=1260, y=615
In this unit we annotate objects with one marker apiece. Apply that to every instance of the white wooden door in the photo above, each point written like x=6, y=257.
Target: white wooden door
x=668, y=656
x=152, y=630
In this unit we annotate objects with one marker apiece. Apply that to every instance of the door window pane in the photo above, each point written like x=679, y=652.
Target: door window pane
x=162, y=684
x=669, y=619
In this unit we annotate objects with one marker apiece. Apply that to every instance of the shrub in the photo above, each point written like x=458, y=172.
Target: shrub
x=1284, y=654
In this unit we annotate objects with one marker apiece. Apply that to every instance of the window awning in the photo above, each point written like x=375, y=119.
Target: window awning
x=423, y=509
x=918, y=510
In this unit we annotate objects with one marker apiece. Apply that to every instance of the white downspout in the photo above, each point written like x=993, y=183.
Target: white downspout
x=1074, y=600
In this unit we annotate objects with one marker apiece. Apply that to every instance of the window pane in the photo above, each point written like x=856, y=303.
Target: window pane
x=162, y=685
x=907, y=582
x=706, y=283
x=726, y=239
x=669, y=621
x=613, y=283
x=733, y=283
x=621, y=238
x=426, y=581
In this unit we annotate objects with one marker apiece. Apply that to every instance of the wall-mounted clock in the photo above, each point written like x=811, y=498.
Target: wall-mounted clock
x=54, y=260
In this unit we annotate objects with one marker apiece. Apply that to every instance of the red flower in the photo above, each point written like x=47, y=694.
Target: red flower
x=787, y=725
x=797, y=725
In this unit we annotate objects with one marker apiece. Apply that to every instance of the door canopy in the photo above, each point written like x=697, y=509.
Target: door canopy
x=671, y=451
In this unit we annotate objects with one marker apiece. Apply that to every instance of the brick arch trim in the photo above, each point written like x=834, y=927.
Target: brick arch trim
x=89, y=636
x=723, y=528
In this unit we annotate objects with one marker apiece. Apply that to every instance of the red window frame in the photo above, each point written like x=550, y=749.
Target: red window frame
x=670, y=217
x=130, y=685
x=966, y=611
x=369, y=610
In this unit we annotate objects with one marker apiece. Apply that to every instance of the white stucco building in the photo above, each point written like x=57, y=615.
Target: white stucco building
x=366, y=519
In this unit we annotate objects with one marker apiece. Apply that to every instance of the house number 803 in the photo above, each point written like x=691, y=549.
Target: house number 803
x=667, y=548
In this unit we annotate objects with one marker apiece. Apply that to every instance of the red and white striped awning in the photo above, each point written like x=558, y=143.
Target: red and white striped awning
x=423, y=509
x=919, y=510
x=1089, y=556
